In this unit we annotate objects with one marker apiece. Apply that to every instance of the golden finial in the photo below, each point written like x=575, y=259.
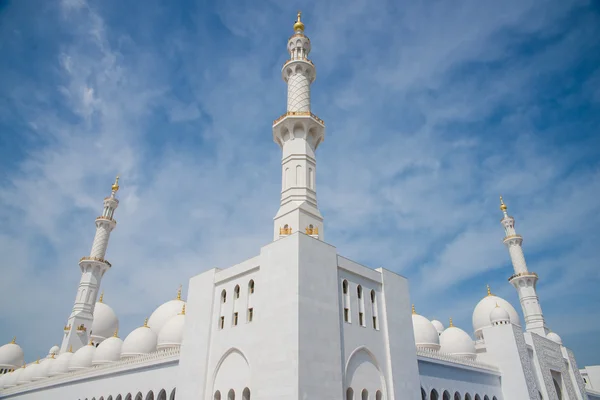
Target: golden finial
x=179, y=293
x=115, y=186
x=451, y=324
x=38, y=361
x=146, y=323
x=70, y=349
x=182, y=310
x=91, y=343
x=299, y=25
x=116, y=334
x=14, y=340
x=502, y=205
x=52, y=355
x=24, y=365
x=101, y=299
x=413, y=310
x=489, y=290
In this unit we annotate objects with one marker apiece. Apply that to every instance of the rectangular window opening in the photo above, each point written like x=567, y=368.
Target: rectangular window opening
x=374, y=322
x=346, y=315
x=250, y=314
x=222, y=323
x=235, y=318
x=361, y=319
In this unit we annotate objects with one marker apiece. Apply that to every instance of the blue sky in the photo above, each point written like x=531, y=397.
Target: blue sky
x=433, y=109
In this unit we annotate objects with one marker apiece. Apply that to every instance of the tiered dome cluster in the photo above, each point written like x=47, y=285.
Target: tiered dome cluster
x=162, y=331
x=490, y=311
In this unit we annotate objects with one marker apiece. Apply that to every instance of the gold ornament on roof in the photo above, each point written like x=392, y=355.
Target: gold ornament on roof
x=299, y=25
x=178, y=293
x=146, y=323
x=116, y=334
x=38, y=361
x=52, y=355
x=182, y=310
x=101, y=299
x=413, y=310
x=14, y=340
x=502, y=205
x=489, y=291
x=91, y=343
x=70, y=349
x=115, y=186
x=451, y=324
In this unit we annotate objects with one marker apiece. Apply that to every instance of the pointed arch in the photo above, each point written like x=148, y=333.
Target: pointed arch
x=217, y=395
x=119, y=397
x=378, y=395
x=139, y=396
x=364, y=360
x=423, y=394
x=457, y=396
x=150, y=395
x=434, y=395
x=251, y=286
x=172, y=397
x=349, y=394
x=128, y=397
x=162, y=395
x=231, y=394
x=236, y=292
x=246, y=394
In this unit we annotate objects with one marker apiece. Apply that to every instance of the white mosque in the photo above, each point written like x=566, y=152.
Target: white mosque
x=299, y=321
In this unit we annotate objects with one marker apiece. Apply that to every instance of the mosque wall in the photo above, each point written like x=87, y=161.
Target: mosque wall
x=151, y=377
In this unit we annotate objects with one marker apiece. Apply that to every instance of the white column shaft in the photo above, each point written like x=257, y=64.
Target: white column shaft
x=298, y=99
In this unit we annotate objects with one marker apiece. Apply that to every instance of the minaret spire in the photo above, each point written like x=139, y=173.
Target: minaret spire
x=298, y=132
x=77, y=331
x=523, y=280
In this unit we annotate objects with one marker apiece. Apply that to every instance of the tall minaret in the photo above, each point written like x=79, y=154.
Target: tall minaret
x=77, y=330
x=523, y=280
x=298, y=132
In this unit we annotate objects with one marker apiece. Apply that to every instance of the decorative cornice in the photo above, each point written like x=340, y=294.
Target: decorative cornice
x=436, y=355
x=299, y=113
x=95, y=259
x=523, y=275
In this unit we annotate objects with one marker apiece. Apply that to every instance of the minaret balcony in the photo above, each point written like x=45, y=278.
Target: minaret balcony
x=102, y=260
x=102, y=217
x=299, y=125
x=298, y=65
x=513, y=239
x=523, y=275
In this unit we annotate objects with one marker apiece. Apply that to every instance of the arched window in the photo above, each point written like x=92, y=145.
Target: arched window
x=139, y=396
x=217, y=395
x=172, y=396
x=246, y=394
x=236, y=291
x=446, y=395
x=434, y=395
x=109, y=398
x=467, y=396
x=345, y=286
x=349, y=394
x=223, y=296
x=374, y=310
x=486, y=397
x=494, y=398
x=540, y=395
x=251, y=286
x=423, y=394
x=378, y=395
x=128, y=397
x=557, y=388
x=364, y=395
x=150, y=395
x=231, y=395
x=361, y=306
x=162, y=395
x=457, y=396
x=477, y=397
x=359, y=291
x=119, y=397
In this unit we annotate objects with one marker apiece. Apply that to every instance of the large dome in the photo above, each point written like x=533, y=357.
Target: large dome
x=61, y=365
x=426, y=336
x=11, y=355
x=481, y=314
x=108, y=351
x=457, y=342
x=82, y=358
x=105, y=322
x=171, y=334
x=164, y=313
x=141, y=341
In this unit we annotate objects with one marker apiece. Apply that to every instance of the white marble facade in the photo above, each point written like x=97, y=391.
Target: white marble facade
x=298, y=320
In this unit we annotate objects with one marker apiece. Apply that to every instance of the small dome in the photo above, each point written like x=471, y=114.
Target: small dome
x=61, y=365
x=108, y=351
x=11, y=355
x=13, y=377
x=105, y=322
x=141, y=341
x=426, y=336
x=82, y=358
x=44, y=370
x=481, y=314
x=164, y=313
x=30, y=371
x=171, y=334
x=53, y=350
x=457, y=342
x=554, y=337
x=499, y=316
x=439, y=327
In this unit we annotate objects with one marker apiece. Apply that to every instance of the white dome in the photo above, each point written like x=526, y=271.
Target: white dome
x=164, y=313
x=82, y=358
x=457, y=342
x=108, y=351
x=44, y=370
x=30, y=371
x=105, y=322
x=54, y=350
x=554, y=337
x=481, y=314
x=13, y=377
x=141, y=341
x=171, y=334
x=426, y=336
x=61, y=365
x=439, y=327
x=11, y=355
x=499, y=316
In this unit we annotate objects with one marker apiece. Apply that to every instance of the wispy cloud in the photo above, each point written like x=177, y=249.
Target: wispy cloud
x=432, y=110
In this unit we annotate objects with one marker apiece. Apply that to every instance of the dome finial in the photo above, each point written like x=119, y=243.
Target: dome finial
x=182, y=310
x=178, y=293
x=91, y=343
x=101, y=299
x=38, y=361
x=451, y=324
x=299, y=25
x=115, y=186
x=146, y=323
x=70, y=349
x=489, y=291
x=413, y=309
x=14, y=340
x=116, y=333
x=502, y=205
x=52, y=355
